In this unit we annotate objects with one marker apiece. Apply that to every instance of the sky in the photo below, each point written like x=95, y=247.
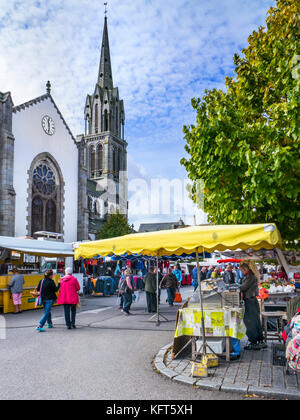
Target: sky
x=163, y=53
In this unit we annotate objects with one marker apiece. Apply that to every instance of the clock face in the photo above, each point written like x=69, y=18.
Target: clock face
x=48, y=125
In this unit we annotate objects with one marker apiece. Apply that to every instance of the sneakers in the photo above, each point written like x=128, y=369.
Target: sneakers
x=252, y=346
x=40, y=329
x=50, y=326
x=125, y=313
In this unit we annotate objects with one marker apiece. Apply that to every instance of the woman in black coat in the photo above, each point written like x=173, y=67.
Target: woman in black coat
x=48, y=290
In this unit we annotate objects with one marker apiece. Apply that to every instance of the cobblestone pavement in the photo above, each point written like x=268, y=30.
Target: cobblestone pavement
x=252, y=374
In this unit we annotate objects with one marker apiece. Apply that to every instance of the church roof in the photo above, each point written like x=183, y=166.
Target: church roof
x=105, y=79
x=153, y=227
x=38, y=100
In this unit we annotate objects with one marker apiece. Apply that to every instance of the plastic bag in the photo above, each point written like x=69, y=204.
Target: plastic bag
x=136, y=296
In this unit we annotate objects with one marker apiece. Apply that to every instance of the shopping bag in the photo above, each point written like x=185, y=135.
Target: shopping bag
x=38, y=302
x=78, y=306
x=178, y=298
x=136, y=296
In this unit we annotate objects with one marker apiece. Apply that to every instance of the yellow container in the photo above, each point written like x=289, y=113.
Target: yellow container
x=200, y=370
x=210, y=360
x=28, y=301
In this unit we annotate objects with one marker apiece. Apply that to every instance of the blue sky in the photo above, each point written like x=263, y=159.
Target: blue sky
x=163, y=54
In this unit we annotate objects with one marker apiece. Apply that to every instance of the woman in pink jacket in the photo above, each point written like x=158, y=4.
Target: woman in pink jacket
x=68, y=296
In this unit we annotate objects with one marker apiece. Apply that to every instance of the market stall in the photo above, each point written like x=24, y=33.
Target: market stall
x=190, y=240
x=28, y=247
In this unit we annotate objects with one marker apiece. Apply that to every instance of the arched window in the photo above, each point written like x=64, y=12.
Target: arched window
x=46, y=198
x=100, y=159
x=50, y=216
x=96, y=118
x=117, y=120
x=105, y=120
x=92, y=161
x=115, y=161
x=37, y=213
x=119, y=160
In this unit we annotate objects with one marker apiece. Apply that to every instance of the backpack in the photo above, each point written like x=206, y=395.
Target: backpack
x=293, y=353
x=124, y=287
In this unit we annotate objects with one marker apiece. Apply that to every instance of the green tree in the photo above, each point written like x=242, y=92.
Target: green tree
x=115, y=225
x=245, y=144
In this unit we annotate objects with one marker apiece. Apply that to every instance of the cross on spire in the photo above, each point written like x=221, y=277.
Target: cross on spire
x=105, y=11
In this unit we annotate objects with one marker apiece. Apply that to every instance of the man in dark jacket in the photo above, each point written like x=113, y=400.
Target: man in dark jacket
x=229, y=277
x=151, y=289
x=170, y=282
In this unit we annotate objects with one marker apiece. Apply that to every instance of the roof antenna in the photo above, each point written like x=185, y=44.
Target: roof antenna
x=105, y=11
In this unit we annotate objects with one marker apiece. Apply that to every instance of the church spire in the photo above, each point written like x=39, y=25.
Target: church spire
x=105, y=79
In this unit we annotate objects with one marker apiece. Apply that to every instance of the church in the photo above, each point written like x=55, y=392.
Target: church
x=53, y=181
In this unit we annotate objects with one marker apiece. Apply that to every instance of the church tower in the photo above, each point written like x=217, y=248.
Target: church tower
x=104, y=146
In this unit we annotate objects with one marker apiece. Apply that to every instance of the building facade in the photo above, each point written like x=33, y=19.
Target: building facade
x=50, y=180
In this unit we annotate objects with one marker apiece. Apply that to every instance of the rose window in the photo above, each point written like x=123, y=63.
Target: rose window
x=44, y=179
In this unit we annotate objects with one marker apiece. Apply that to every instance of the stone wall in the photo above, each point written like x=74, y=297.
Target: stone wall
x=7, y=192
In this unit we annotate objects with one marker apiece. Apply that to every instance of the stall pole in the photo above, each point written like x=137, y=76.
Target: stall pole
x=156, y=316
x=201, y=305
x=203, y=349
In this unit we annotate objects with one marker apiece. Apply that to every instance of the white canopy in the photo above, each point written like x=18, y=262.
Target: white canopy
x=37, y=247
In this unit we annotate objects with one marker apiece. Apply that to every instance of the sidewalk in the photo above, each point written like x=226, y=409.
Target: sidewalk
x=253, y=374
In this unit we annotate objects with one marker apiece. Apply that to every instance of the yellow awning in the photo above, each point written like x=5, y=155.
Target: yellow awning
x=185, y=241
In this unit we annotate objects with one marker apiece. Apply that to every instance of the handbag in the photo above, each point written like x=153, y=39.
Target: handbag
x=38, y=300
x=78, y=306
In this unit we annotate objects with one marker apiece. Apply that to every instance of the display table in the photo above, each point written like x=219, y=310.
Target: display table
x=222, y=323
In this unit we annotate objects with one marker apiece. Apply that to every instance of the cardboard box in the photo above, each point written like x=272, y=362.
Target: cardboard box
x=198, y=369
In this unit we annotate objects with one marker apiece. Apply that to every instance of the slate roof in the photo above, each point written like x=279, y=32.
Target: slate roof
x=154, y=227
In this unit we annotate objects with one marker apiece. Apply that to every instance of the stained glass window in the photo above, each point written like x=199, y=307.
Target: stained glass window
x=44, y=179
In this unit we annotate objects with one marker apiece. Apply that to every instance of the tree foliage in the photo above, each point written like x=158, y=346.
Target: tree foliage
x=245, y=144
x=115, y=225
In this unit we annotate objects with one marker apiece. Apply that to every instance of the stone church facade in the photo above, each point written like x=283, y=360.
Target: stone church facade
x=104, y=149
x=50, y=180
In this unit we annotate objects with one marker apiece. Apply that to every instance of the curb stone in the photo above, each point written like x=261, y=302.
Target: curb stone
x=218, y=385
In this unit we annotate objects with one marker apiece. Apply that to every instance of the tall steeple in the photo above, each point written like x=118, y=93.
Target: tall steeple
x=104, y=146
x=105, y=79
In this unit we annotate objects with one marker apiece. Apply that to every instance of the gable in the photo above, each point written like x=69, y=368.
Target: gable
x=35, y=102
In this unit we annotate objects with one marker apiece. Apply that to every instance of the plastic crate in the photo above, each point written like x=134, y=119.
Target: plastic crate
x=231, y=299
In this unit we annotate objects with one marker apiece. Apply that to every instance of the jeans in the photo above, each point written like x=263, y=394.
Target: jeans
x=47, y=313
x=171, y=294
x=121, y=301
x=70, y=314
x=127, y=299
